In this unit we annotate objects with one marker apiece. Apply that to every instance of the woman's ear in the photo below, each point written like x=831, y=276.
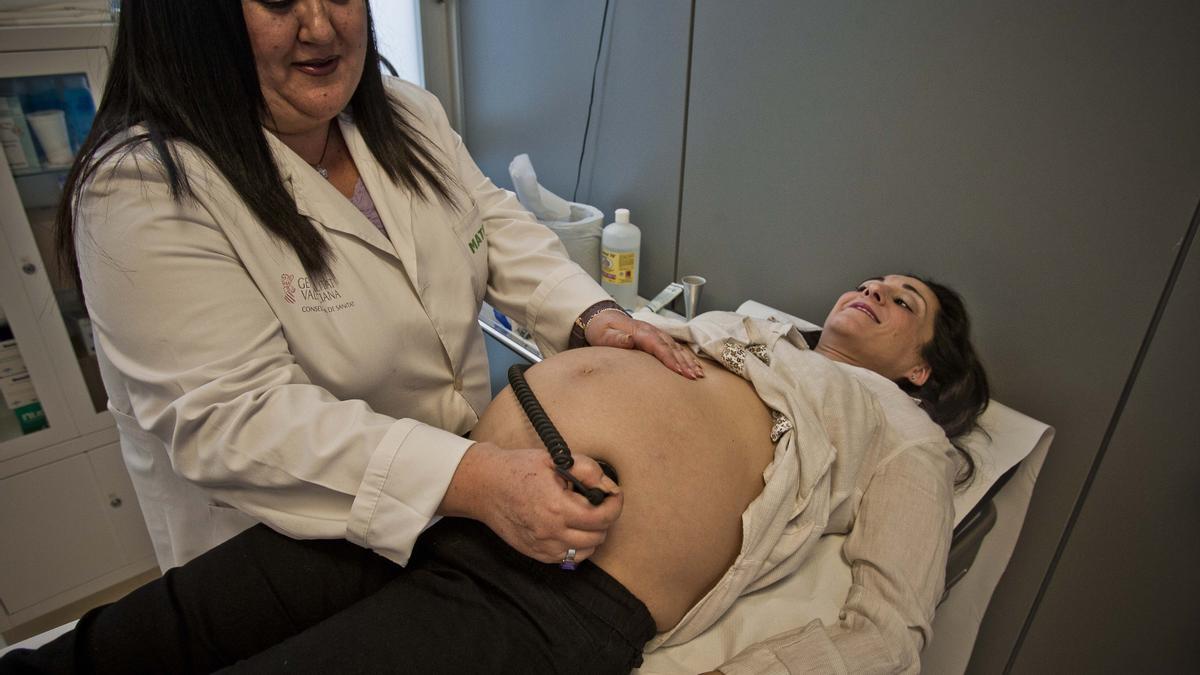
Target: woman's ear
x=919, y=374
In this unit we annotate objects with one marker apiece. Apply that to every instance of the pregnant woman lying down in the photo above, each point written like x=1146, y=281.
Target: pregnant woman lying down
x=728, y=481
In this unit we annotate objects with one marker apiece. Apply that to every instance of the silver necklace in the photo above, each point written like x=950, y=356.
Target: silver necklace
x=319, y=165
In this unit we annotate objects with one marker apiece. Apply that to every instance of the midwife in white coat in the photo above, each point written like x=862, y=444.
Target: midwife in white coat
x=284, y=254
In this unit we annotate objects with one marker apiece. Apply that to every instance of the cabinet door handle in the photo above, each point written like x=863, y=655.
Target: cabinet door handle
x=29, y=268
x=114, y=501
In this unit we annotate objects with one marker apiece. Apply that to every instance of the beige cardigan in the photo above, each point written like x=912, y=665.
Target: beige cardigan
x=854, y=455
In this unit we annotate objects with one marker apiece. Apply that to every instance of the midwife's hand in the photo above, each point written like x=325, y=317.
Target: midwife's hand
x=519, y=496
x=617, y=329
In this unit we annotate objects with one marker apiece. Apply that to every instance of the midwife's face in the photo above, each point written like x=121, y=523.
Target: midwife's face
x=309, y=55
x=883, y=324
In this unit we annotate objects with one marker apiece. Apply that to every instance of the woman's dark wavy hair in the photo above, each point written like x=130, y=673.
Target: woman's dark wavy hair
x=956, y=393
x=185, y=70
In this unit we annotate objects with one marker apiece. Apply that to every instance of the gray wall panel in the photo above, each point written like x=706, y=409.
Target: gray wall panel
x=638, y=129
x=527, y=66
x=1041, y=157
x=1136, y=612
x=527, y=73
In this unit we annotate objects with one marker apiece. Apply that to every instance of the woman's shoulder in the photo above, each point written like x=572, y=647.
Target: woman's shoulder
x=424, y=110
x=903, y=413
x=131, y=154
x=415, y=99
x=128, y=178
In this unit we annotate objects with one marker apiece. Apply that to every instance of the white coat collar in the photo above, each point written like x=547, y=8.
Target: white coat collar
x=318, y=200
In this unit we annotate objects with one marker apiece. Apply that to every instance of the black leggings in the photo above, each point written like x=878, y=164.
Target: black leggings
x=262, y=602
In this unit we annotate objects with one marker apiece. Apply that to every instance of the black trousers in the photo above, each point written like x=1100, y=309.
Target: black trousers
x=263, y=603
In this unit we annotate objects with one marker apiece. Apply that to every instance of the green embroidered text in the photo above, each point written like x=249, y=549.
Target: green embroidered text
x=477, y=240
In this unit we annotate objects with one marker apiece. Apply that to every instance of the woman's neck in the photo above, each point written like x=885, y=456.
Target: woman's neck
x=309, y=144
x=834, y=354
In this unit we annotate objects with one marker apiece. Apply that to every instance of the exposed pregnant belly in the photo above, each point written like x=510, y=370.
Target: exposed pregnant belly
x=690, y=455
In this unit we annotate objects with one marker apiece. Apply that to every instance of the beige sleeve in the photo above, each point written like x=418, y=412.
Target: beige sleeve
x=530, y=277
x=897, y=552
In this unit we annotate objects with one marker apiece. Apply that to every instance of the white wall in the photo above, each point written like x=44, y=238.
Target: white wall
x=396, y=24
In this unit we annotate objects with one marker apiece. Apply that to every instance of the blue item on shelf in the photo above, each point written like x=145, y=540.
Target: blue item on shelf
x=80, y=114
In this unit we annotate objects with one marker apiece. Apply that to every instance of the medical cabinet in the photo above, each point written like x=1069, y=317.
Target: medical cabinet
x=70, y=525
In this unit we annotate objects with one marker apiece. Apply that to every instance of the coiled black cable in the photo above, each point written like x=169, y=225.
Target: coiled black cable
x=560, y=454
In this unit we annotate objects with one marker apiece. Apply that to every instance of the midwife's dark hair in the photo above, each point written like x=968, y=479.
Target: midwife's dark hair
x=956, y=393
x=185, y=70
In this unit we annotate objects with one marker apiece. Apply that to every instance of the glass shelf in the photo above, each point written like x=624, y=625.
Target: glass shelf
x=41, y=190
x=52, y=170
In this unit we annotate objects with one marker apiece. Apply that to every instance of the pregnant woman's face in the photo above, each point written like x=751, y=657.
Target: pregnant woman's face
x=883, y=325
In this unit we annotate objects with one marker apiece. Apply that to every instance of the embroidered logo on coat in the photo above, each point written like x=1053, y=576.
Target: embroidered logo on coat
x=477, y=240
x=317, y=294
x=289, y=291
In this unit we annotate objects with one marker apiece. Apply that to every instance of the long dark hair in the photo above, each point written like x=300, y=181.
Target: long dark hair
x=185, y=71
x=956, y=393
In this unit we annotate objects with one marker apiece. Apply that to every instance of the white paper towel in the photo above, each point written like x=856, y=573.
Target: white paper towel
x=542, y=203
x=577, y=225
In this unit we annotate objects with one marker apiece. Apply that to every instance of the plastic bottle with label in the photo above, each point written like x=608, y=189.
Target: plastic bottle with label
x=620, y=255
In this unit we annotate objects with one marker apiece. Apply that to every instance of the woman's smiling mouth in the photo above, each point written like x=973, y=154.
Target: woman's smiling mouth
x=317, y=67
x=865, y=309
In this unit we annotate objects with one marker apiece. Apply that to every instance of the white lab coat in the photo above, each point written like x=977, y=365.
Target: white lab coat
x=243, y=391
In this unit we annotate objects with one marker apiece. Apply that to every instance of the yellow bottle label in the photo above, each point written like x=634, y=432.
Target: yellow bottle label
x=617, y=268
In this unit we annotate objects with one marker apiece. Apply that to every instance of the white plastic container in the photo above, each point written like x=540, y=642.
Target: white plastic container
x=16, y=137
x=50, y=128
x=581, y=236
x=620, y=256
